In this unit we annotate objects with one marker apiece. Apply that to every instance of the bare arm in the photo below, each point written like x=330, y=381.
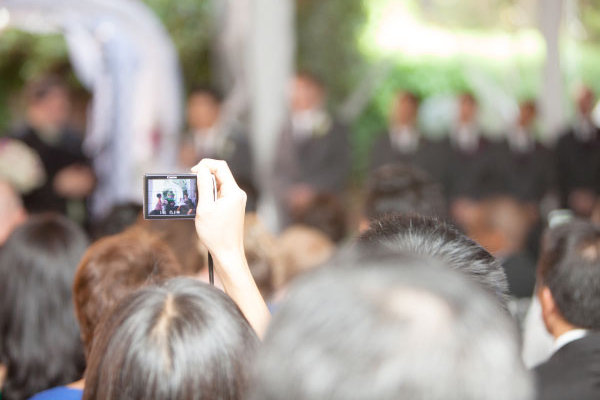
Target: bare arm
x=220, y=226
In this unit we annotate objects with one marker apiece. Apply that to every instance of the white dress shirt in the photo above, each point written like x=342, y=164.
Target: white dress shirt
x=466, y=137
x=521, y=141
x=404, y=139
x=568, y=337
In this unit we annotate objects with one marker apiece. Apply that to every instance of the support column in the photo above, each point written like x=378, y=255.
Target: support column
x=270, y=65
x=552, y=88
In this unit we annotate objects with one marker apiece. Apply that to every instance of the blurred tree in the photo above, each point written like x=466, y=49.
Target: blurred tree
x=327, y=42
x=190, y=24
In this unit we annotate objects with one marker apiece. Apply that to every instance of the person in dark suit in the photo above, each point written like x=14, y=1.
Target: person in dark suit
x=211, y=136
x=578, y=159
x=403, y=143
x=527, y=164
x=69, y=177
x=313, y=154
x=470, y=162
x=568, y=291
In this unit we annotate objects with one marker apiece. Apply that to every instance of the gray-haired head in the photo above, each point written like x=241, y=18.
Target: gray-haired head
x=430, y=237
x=417, y=332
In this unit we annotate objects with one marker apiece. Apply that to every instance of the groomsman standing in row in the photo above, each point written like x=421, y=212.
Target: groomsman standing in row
x=314, y=151
x=404, y=142
x=578, y=158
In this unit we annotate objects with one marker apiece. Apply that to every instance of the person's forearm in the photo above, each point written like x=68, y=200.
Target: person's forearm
x=238, y=283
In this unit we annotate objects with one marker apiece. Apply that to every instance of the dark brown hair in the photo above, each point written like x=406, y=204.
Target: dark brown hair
x=112, y=268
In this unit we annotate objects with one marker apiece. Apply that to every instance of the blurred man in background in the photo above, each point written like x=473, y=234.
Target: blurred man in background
x=528, y=172
x=404, y=142
x=210, y=135
x=313, y=154
x=46, y=130
x=578, y=158
x=471, y=168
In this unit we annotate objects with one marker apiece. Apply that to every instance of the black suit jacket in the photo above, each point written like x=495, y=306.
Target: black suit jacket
x=471, y=174
x=578, y=164
x=573, y=372
x=426, y=157
x=237, y=151
x=54, y=157
x=526, y=176
x=321, y=161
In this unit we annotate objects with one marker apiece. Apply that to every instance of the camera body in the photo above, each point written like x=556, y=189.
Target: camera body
x=170, y=196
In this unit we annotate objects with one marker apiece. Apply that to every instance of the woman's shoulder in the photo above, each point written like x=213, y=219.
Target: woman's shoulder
x=59, y=393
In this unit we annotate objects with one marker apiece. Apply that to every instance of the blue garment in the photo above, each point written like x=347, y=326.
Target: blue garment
x=59, y=393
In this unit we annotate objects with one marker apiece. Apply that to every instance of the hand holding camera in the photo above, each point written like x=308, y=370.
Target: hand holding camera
x=220, y=226
x=220, y=222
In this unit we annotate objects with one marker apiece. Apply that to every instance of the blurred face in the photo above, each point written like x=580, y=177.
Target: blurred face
x=405, y=109
x=202, y=112
x=527, y=114
x=585, y=102
x=467, y=109
x=306, y=95
x=52, y=111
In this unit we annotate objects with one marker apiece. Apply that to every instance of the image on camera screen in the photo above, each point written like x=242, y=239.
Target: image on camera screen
x=171, y=197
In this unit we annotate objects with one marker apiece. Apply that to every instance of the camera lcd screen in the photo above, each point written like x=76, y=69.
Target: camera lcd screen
x=170, y=196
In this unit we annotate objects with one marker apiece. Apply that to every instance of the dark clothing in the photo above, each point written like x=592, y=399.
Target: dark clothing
x=236, y=150
x=321, y=161
x=526, y=176
x=573, y=372
x=426, y=156
x=65, y=152
x=578, y=164
x=520, y=274
x=472, y=174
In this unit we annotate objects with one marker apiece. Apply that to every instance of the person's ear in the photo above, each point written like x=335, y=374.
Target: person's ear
x=363, y=225
x=548, y=305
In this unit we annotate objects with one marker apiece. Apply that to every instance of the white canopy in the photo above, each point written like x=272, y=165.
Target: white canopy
x=124, y=56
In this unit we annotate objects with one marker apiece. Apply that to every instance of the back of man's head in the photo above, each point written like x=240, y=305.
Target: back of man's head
x=402, y=189
x=416, y=332
x=112, y=268
x=429, y=237
x=570, y=268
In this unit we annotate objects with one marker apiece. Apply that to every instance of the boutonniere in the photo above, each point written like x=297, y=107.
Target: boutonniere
x=228, y=148
x=323, y=126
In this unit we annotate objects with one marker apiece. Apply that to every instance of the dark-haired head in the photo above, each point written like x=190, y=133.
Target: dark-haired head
x=569, y=276
x=429, y=237
x=209, y=91
x=203, y=108
x=325, y=213
x=39, y=89
x=308, y=92
x=114, y=267
x=366, y=329
x=183, y=340
x=39, y=336
x=120, y=217
x=402, y=189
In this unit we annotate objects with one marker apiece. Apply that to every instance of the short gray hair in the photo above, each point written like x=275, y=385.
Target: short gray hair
x=382, y=332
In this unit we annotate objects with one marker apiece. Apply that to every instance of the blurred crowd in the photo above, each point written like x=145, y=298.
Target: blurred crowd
x=463, y=267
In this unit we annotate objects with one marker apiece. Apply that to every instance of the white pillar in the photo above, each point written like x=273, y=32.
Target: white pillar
x=271, y=62
x=552, y=92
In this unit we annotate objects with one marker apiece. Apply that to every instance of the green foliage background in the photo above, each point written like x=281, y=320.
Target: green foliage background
x=330, y=44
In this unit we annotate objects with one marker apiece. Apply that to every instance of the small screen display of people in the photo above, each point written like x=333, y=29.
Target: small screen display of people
x=171, y=197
